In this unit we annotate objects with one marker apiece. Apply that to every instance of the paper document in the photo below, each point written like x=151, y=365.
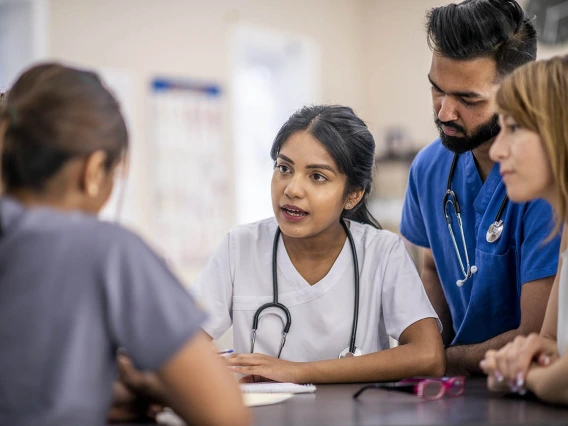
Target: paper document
x=274, y=387
x=257, y=399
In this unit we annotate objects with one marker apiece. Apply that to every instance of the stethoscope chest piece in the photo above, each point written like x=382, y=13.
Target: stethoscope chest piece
x=346, y=353
x=494, y=232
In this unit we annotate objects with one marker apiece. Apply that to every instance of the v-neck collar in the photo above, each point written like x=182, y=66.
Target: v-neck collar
x=484, y=190
x=289, y=271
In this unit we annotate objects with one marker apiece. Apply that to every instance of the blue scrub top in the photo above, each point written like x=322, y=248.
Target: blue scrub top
x=489, y=303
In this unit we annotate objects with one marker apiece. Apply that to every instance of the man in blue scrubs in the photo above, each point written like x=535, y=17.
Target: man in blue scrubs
x=504, y=290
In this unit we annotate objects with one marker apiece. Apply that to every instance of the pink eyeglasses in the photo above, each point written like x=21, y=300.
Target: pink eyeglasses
x=428, y=388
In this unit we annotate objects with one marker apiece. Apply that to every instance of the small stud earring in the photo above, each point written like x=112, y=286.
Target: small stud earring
x=93, y=190
x=348, y=205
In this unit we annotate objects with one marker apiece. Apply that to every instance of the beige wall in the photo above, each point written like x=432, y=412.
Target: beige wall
x=374, y=54
x=397, y=60
x=191, y=38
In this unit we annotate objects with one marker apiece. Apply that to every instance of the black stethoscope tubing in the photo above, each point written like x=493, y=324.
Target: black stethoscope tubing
x=276, y=304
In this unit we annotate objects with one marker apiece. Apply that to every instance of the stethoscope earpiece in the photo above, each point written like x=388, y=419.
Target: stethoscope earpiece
x=472, y=271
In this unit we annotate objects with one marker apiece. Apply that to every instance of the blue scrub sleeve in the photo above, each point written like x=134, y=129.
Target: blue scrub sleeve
x=539, y=259
x=150, y=314
x=412, y=225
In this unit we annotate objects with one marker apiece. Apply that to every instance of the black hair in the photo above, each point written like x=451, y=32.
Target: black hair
x=55, y=113
x=498, y=29
x=347, y=139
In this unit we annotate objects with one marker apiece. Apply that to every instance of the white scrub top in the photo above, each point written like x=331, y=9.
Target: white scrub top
x=238, y=280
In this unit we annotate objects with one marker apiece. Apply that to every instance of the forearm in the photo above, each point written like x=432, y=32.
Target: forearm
x=550, y=383
x=387, y=365
x=433, y=287
x=465, y=358
x=441, y=307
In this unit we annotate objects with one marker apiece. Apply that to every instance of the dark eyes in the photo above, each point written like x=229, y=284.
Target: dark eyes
x=462, y=100
x=318, y=177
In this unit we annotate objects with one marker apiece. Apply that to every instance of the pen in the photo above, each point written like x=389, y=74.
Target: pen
x=225, y=352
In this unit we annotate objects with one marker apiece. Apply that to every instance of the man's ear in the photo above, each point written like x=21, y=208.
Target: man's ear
x=94, y=173
x=353, y=199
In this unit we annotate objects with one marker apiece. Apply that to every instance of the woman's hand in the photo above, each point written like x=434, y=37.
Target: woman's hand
x=507, y=368
x=127, y=407
x=144, y=384
x=267, y=367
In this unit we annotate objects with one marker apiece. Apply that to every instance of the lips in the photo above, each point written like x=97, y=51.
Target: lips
x=294, y=211
x=449, y=130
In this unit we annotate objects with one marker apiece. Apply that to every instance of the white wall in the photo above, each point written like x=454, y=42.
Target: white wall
x=23, y=36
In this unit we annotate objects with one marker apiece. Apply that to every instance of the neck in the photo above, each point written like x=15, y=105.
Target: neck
x=323, y=246
x=31, y=198
x=482, y=161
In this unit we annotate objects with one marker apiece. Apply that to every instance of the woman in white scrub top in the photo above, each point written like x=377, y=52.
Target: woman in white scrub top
x=532, y=150
x=323, y=165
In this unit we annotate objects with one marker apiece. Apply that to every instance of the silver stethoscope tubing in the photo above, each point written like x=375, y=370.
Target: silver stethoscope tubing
x=493, y=232
x=350, y=350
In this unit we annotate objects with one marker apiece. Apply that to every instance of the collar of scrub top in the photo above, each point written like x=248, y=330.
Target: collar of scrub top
x=350, y=350
x=493, y=233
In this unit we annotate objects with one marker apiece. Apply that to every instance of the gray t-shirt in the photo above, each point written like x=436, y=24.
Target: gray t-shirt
x=72, y=290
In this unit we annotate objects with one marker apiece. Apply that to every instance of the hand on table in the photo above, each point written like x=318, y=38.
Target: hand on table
x=507, y=368
x=259, y=367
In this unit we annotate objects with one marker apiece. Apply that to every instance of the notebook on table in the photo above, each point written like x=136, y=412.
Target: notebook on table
x=275, y=387
x=258, y=399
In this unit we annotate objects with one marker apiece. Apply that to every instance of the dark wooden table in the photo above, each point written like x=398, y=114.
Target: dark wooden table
x=333, y=405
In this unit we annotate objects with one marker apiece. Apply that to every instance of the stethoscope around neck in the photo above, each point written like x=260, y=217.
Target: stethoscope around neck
x=493, y=232
x=350, y=350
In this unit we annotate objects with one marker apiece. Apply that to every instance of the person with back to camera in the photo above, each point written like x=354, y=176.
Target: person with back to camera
x=74, y=289
x=485, y=269
x=319, y=280
x=532, y=151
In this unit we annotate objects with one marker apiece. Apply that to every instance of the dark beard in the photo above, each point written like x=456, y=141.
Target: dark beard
x=483, y=133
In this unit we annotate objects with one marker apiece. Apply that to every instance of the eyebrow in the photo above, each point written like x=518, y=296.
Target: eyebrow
x=461, y=94
x=309, y=166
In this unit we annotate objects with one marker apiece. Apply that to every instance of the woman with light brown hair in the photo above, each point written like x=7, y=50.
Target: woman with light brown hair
x=74, y=289
x=532, y=149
